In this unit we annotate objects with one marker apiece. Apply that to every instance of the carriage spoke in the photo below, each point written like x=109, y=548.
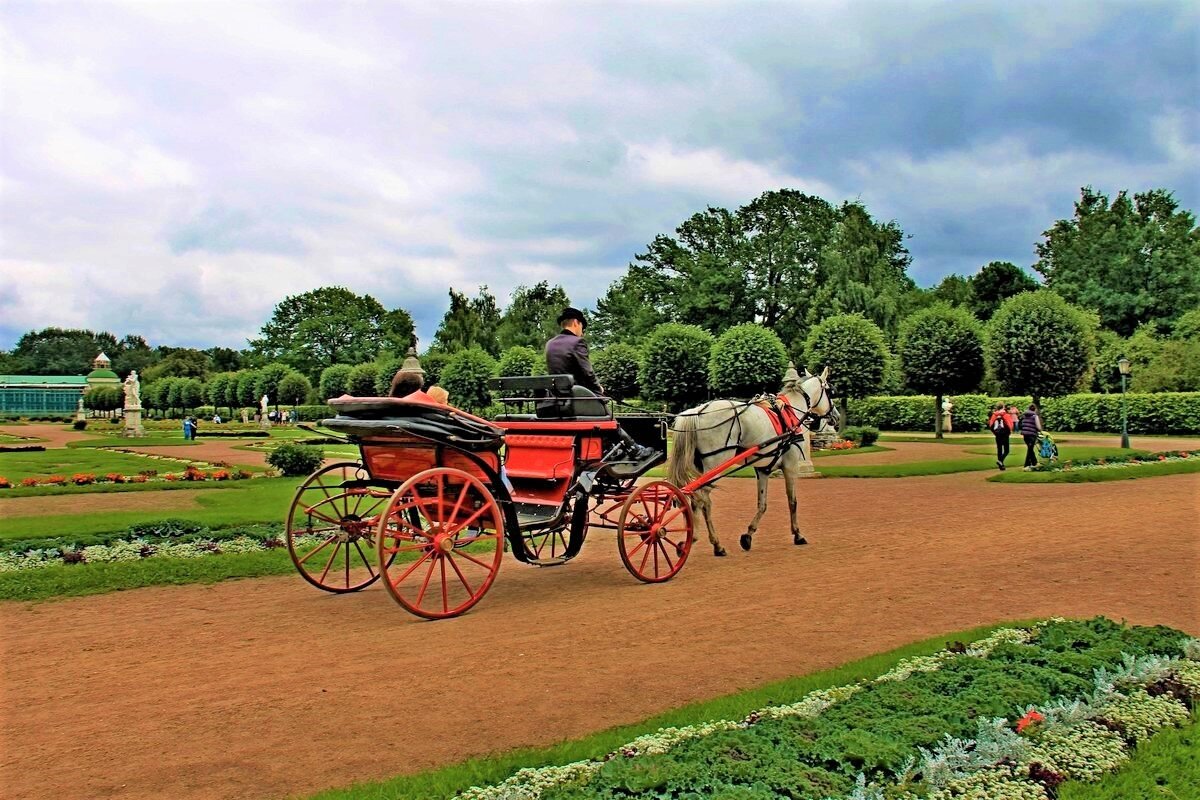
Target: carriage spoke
x=412, y=568
x=445, y=589
x=428, y=575
x=318, y=549
x=329, y=563
x=660, y=546
x=461, y=577
x=474, y=560
x=363, y=556
x=659, y=515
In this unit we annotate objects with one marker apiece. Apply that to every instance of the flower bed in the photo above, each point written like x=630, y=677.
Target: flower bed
x=191, y=473
x=1010, y=716
x=1117, y=462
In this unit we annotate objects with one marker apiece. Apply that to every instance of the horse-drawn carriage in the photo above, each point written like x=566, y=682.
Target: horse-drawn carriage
x=439, y=494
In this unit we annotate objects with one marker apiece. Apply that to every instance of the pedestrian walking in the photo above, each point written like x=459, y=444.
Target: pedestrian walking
x=1001, y=427
x=1031, y=426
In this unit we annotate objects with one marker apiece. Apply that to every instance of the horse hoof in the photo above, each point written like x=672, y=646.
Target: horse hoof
x=799, y=540
x=745, y=541
x=718, y=551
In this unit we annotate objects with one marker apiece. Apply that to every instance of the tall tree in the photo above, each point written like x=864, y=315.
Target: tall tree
x=181, y=362
x=633, y=306
x=469, y=322
x=941, y=352
x=955, y=290
x=61, y=351
x=1132, y=261
x=1040, y=345
x=530, y=317
x=996, y=282
x=854, y=349
x=326, y=326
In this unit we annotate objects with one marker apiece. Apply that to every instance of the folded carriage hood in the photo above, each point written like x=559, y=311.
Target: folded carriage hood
x=417, y=415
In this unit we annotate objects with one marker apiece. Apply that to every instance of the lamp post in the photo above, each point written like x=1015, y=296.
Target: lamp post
x=1123, y=366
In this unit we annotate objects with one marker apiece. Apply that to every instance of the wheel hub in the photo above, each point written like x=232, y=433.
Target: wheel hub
x=443, y=543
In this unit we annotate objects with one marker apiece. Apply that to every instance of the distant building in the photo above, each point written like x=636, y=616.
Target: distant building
x=53, y=394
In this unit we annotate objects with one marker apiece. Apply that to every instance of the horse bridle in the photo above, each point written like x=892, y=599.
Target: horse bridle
x=810, y=417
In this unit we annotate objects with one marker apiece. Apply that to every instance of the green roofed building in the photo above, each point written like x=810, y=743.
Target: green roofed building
x=53, y=394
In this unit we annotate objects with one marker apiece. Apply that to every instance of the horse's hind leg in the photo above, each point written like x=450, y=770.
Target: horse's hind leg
x=763, y=476
x=789, y=480
x=702, y=500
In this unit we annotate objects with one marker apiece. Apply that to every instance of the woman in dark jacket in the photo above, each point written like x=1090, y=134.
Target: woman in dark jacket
x=1031, y=426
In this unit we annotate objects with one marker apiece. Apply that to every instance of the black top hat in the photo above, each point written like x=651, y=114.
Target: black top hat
x=571, y=313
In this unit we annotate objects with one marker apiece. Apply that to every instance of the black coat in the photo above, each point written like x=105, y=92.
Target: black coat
x=567, y=354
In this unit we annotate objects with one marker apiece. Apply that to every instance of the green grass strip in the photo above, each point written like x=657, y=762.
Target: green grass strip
x=108, y=488
x=116, y=441
x=448, y=781
x=16, y=466
x=240, y=503
x=909, y=470
x=1102, y=474
x=73, y=580
x=1166, y=767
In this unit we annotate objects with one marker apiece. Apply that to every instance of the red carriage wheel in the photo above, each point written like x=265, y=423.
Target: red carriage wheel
x=446, y=533
x=331, y=528
x=654, y=532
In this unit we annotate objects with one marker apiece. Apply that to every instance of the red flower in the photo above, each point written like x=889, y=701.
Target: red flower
x=1030, y=718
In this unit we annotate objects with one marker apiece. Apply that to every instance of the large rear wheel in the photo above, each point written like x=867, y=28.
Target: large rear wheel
x=331, y=528
x=654, y=532
x=445, y=532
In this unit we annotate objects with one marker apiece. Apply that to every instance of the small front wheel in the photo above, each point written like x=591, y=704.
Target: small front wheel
x=654, y=532
x=446, y=533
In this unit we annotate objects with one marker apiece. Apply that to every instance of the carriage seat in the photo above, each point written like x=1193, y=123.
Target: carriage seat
x=554, y=397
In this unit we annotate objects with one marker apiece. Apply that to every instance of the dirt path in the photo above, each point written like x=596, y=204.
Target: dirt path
x=266, y=688
x=55, y=435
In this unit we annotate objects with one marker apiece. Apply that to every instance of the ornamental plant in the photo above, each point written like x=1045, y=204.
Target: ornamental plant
x=296, y=459
x=4, y=483
x=941, y=352
x=675, y=369
x=1040, y=345
x=747, y=360
x=83, y=478
x=617, y=367
x=466, y=376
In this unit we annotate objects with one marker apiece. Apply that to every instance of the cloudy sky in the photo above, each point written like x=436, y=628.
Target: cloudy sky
x=175, y=169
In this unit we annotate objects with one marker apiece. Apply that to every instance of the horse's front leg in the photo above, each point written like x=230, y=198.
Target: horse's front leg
x=763, y=477
x=789, y=480
x=702, y=501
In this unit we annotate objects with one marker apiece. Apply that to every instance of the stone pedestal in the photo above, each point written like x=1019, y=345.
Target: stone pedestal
x=806, y=466
x=132, y=426
x=80, y=414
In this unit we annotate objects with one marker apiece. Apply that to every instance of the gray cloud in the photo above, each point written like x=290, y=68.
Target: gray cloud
x=177, y=169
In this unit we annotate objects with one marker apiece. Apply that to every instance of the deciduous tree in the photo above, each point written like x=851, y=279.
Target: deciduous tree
x=1040, y=345
x=530, y=318
x=1131, y=261
x=996, y=282
x=941, y=352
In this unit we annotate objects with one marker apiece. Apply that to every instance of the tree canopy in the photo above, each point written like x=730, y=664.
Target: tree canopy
x=331, y=325
x=1040, y=345
x=469, y=322
x=1131, y=261
x=531, y=317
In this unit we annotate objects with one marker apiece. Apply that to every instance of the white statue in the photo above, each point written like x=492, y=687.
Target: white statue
x=947, y=415
x=133, y=395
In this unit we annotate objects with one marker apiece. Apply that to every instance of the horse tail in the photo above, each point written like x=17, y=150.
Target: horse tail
x=681, y=466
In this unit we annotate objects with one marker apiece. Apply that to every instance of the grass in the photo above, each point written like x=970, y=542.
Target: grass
x=70, y=580
x=908, y=470
x=447, y=781
x=108, y=488
x=1071, y=452
x=239, y=503
x=1100, y=475
x=147, y=441
x=1166, y=767
x=748, y=472
x=16, y=466
x=929, y=439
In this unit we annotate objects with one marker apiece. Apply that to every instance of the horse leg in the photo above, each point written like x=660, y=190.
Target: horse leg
x=763, y=477
x=789, y=481
x=703, y=501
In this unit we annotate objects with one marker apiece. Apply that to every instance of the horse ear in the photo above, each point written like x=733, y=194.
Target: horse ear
x=825, y=373
x=807, y=374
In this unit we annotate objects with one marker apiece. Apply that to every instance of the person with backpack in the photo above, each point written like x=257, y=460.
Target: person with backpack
x=1001, y=428
x=1031, y=426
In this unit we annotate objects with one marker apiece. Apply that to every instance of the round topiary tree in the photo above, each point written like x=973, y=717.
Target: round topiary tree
x=432, y=362
x=104, y=399
x=294, y=389
x=617, y=367
x=334, y=380
x=941, y=352
x=746, y=360
x=268, y=382
x=361, y=382
x=191, y=393
x=855, y=351
x=245, y=388
x=517, y=361
x=675, y=369
x=466, y=377
x=1040, y=345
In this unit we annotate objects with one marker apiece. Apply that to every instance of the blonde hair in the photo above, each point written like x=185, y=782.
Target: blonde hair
x=439, y=395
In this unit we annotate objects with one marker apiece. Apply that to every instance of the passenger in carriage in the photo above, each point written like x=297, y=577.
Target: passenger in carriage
x=567, y=354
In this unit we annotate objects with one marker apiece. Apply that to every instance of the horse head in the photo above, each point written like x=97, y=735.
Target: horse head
x=814, y=395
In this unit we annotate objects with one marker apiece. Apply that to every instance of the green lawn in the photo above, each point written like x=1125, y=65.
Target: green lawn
x=908, y=470
x=1100, y=475
x=120, y=441
x=74, y=580
x=238, y=503
x=16, y=466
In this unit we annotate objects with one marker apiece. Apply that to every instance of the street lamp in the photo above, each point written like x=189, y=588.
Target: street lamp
x=1123, y=366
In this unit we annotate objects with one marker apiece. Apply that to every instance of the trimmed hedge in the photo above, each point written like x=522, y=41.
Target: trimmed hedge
x=1161, y=413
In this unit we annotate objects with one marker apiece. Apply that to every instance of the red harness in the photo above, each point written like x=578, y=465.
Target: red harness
x=782, y=414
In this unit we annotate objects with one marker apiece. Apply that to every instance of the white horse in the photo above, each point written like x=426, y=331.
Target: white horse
x=708, y=435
